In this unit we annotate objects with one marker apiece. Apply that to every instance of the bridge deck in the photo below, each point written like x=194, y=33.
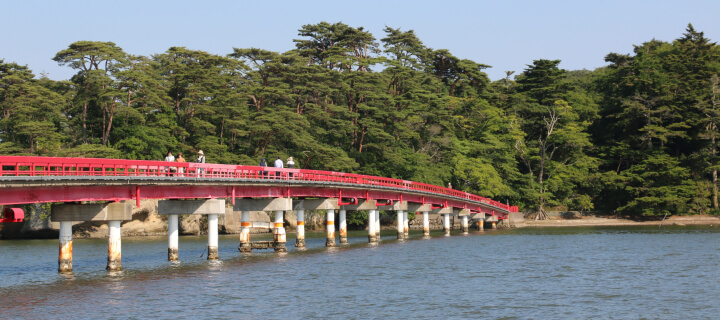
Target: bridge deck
x=47, y=179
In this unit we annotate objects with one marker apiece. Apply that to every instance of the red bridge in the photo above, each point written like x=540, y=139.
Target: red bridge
x=73, y=180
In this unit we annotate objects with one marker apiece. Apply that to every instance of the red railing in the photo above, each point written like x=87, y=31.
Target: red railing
x=18, y=166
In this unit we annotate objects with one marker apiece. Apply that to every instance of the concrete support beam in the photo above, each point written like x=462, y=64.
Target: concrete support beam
x=372, y=236
x=477, y=215
x=207, y=206
x=400, y=225
x=419, y=207
x=65, y=263
x=265, y=204
x=343, y=227
x=114, y=211
x=173, y=233
x=245, y=246
x=315, y=204
x=443, y=211
x=396, y=206
x=362, y=205
x=330, y=228
x=426, y=224
x=114, y=261
x=465, y=227
x=300, y=239
x=212, y=237
x=461, y=212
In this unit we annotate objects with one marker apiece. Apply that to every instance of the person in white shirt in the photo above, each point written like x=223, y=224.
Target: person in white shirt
x=278, y=164
x=169, y=158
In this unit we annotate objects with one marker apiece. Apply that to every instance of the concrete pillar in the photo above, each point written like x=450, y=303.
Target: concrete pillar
x=481, y=224
x=446, y=224
x=330, y=228
x=465, y=227
x=494, y=225
x=426, y=224
x=377, y=224
x=372, y=236
x=114, y=261
x=300, y=239
x=406, y=224
x=343, y=227
x=279, y=232
x=173, y=248
x=400, y=225
x=65, y=258
x=245, y=245
x=212, y=237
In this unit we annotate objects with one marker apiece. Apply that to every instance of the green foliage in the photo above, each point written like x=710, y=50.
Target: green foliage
x=639, y=135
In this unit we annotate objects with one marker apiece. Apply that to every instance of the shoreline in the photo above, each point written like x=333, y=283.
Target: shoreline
x=696, y=220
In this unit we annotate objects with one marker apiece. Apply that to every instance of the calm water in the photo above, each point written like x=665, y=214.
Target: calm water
x=549, y=273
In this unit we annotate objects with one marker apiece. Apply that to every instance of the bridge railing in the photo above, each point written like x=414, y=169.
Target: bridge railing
x=54, y=166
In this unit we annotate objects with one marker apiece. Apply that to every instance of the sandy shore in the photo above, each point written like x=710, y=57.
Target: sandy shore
x=611, y=221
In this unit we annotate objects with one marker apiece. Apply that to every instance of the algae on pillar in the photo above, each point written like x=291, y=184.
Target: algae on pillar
x=300, y=239
x=279, y=236
x=426, y=224
x=245, y=246
x=465, y=227
x=65, y=263
x=330, y=228
x=372, y=235
x=406, y=224
x=212, y=237
x=173, y=244
x=400, y=225
x=114, y=262
x=446, y=224
x=343, y=227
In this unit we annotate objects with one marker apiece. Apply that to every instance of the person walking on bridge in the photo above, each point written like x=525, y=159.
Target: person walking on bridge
x=169, y=158
x=263, y=164
x=200, y=159
x=278, y=164
x=180, y=158
x=291, y=165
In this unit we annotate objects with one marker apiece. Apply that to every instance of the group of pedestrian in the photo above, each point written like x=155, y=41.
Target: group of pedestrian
x=278, y=164
x=181, y=171
x=201, y=159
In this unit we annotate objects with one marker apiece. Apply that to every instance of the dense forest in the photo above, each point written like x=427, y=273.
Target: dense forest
x=638, y=136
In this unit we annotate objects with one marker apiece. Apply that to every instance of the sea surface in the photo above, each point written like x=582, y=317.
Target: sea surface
x=531, y=273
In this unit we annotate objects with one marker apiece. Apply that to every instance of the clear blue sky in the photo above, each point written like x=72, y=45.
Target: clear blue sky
x=507, y=35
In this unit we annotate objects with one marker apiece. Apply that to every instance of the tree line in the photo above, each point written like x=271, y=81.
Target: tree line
x=638, y=136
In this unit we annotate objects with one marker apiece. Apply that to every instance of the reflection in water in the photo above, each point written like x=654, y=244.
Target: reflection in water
x=587, y=272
